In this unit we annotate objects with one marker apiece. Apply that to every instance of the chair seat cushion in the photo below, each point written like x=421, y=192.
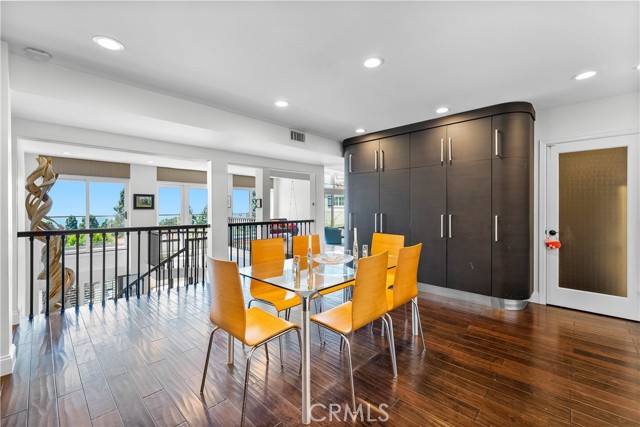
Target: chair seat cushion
x=262, y=325
x=337, y=319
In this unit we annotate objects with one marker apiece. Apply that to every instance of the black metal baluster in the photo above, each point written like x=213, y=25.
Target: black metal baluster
x=159, y=267
x=31, y=277
x=178, y=257
x=170, y=260
x=77, y=269
x=204, y=248
x=46, y=312
x=115, y=280
x=90, y=270
x=127, y=284
x=187, y=275
x=62, y=242
x=104, y=267
x=149, y=262
x=138, y=281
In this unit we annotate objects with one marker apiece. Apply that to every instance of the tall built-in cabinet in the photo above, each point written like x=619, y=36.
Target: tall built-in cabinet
x=461, y=185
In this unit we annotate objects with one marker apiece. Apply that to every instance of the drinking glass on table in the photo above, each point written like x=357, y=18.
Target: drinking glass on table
x=365, y=251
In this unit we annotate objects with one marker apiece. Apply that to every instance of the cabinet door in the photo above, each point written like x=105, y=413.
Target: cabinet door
x=395, y=152
x=362, y=158
x=428, y=213
x=363, y=205
x=512, y=135
x=511, y=239
x=469, y=141
x=394, y=202
x=428, y=147
x=469, y=244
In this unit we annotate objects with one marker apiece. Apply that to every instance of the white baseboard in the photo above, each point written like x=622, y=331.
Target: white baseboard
x=15, y=317
x=8, y=361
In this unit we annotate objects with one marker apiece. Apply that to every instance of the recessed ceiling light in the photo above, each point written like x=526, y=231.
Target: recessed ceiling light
x=585, y=75
x=150, y=162
x=442, y=110
x=638, y=67
x=360, y=130
x=374, y=62
x=282, y=103
x=108, y=43
x=66, y=153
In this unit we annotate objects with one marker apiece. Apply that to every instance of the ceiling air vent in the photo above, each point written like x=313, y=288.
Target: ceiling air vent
x=296, y=135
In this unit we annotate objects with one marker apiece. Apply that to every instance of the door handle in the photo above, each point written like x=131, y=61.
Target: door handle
x=450, y=233
x=350, y=163
x=442, y=151
x=450, y=158
x=495, y=227
x=381, y=219
x=375, y=222
x=442, y=226
x=350, y=221
x=382, y=160
x=497, y=133
x=375, y=161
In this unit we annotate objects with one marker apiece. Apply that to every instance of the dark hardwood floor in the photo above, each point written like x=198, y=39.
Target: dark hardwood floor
x=139, y=363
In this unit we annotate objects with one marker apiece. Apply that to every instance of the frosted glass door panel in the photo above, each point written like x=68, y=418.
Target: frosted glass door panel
x=593, y=221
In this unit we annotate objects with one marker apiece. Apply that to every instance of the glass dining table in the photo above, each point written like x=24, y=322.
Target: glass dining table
x=306, y=285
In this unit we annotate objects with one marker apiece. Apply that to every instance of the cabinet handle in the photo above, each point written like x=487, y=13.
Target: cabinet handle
x=381, y=218
x=442, y=226
x=450, y=234
x=382, y=160
x=496, y=142
x=350, y=221
x=350, y=163
x=495, y=227
x=450, y=160
x=375, y=161
x=442, y=151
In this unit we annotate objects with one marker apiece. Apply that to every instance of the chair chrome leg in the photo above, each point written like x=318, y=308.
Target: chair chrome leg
x=287, y=314
x=419, y=324
x=382, y=328
x=246, y=382
x=392, y=345
x=281, y=353
x=342, y=339
x=353, y=393
x=230, y=355
x=266, y=350
x=206, y=362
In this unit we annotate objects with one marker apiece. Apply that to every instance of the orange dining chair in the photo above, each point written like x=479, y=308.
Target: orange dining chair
x=368, y=304
x=405, y=284
x=253, y=327
x=266, y=251
x=387, y=242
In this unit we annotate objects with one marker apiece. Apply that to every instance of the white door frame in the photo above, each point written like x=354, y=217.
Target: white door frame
x=540, y=250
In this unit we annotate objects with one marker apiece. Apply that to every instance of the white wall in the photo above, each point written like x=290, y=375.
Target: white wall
x=601, y=117
x=7, y=230
x=286, y=192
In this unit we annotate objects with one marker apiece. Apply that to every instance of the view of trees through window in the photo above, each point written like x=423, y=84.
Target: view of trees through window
x=170, y=205
x=81, y=204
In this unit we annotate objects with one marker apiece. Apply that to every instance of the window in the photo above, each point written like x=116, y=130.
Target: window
x=81, y=203
x=169, y=205
x=198, y=211
x=242, y=206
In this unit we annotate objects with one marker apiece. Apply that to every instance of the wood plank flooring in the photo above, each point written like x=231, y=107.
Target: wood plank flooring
x=139, y=363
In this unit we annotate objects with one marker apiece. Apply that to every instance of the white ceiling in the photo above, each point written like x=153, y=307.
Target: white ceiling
x=242, y=56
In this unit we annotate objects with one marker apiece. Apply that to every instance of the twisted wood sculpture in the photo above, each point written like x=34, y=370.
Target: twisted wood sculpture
x=38, y=204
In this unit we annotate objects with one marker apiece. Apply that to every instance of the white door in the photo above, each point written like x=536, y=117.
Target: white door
x=592, y=205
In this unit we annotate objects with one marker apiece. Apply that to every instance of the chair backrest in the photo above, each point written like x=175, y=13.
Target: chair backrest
x=405, y=284
x=267, y=250
x=227, y=309
x=369, y=292
x=301, y=244
x=382, y=242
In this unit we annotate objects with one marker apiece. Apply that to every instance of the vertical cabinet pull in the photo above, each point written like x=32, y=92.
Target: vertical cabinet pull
x=442, y=226
x=350, y=163
x=450, y=233
x=495, y=227
x=381, y=218
x=350, y=221
x=375, y=161
x=450, y=159
x=497, y=145
x=442, y=151
x=382, y=160
x=375, y=222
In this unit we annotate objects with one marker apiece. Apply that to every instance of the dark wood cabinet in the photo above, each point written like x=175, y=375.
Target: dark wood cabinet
x=462, y=186
x=428, y=222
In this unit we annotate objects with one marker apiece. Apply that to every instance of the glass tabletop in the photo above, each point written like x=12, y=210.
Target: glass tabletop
x=280, y=274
